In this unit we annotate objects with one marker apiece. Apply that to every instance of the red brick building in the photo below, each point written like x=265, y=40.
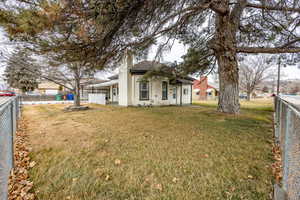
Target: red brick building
x=203, y=90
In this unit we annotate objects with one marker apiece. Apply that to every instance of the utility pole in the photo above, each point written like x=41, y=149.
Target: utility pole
x=278, y=76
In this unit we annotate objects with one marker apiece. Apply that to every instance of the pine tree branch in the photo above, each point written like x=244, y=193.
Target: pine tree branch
x=267, y=50
x=278, y=8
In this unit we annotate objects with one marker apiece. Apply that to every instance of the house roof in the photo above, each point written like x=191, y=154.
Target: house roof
x=113, y=77
x=105, y=84
x=209, y=85
x=92, y=81
x=145, y=66
x=213, y=85
x=48, y=85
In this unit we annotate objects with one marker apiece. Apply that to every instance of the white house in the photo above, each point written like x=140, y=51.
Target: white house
x=131, y=88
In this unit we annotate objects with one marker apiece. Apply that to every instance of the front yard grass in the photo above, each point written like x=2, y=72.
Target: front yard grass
x=160, y=153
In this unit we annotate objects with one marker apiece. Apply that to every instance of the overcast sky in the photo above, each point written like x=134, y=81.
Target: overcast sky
x=290, y=72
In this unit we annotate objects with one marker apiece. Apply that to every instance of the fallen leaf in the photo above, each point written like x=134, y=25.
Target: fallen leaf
x=159, y=187
x=117, y=162
x=175, y=180
x=19, y=184
x=32, y=164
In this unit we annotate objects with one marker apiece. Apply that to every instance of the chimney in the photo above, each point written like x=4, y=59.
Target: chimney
x=125, y=79
x=203, y=85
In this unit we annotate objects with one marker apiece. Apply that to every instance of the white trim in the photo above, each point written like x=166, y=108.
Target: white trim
x=105, y=84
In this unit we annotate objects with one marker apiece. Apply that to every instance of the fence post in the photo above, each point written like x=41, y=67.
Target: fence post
x=12, y=133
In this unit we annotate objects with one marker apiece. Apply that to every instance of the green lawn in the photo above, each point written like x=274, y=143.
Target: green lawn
x=160, y=153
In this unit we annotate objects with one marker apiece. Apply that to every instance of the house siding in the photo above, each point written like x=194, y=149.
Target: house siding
x=155, y=92
x=129, y=88
x=125, y=85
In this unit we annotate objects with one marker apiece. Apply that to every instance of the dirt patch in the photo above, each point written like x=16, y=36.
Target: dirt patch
x=60, y=128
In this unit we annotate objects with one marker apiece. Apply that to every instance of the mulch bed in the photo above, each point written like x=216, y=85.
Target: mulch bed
x=20, y=187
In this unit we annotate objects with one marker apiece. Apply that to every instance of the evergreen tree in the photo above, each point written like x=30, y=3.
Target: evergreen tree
x=18, y=76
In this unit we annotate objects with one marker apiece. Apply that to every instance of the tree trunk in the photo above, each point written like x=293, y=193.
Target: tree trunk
x=224, y=46
x=229, y=86
x=248, y=96
x=77, y=93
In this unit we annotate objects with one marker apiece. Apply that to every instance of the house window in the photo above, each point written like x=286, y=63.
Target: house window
x=114, y=91
x=185, y=91
x=144, y=90
x=164, y=90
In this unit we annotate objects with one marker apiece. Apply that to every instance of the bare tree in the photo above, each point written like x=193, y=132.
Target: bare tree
x=254, y=70
x=67, y=75
x=295, y=89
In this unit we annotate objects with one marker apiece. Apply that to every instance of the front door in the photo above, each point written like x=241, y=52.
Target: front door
x=174, y=96
x=115, y=94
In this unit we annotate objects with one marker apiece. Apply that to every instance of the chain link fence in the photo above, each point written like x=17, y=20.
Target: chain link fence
x=9, y=114
x=287, y=133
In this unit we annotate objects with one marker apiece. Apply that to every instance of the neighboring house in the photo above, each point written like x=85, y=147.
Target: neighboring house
x=203, y=90
x=129, y=87
x=49, y=88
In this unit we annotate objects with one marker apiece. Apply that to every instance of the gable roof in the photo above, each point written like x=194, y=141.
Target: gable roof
x=204, y=83
x=145, y=66
x=213, y=85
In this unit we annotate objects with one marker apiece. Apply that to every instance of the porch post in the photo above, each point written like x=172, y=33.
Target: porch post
x=111, y=93
x=191, y=94
x=181, y=94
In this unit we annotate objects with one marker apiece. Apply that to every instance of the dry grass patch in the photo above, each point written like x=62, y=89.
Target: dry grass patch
x=254, y=104
x=156, y=153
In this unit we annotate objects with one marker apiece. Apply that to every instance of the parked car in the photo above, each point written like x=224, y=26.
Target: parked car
x=7, y=94
x=243, y=96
